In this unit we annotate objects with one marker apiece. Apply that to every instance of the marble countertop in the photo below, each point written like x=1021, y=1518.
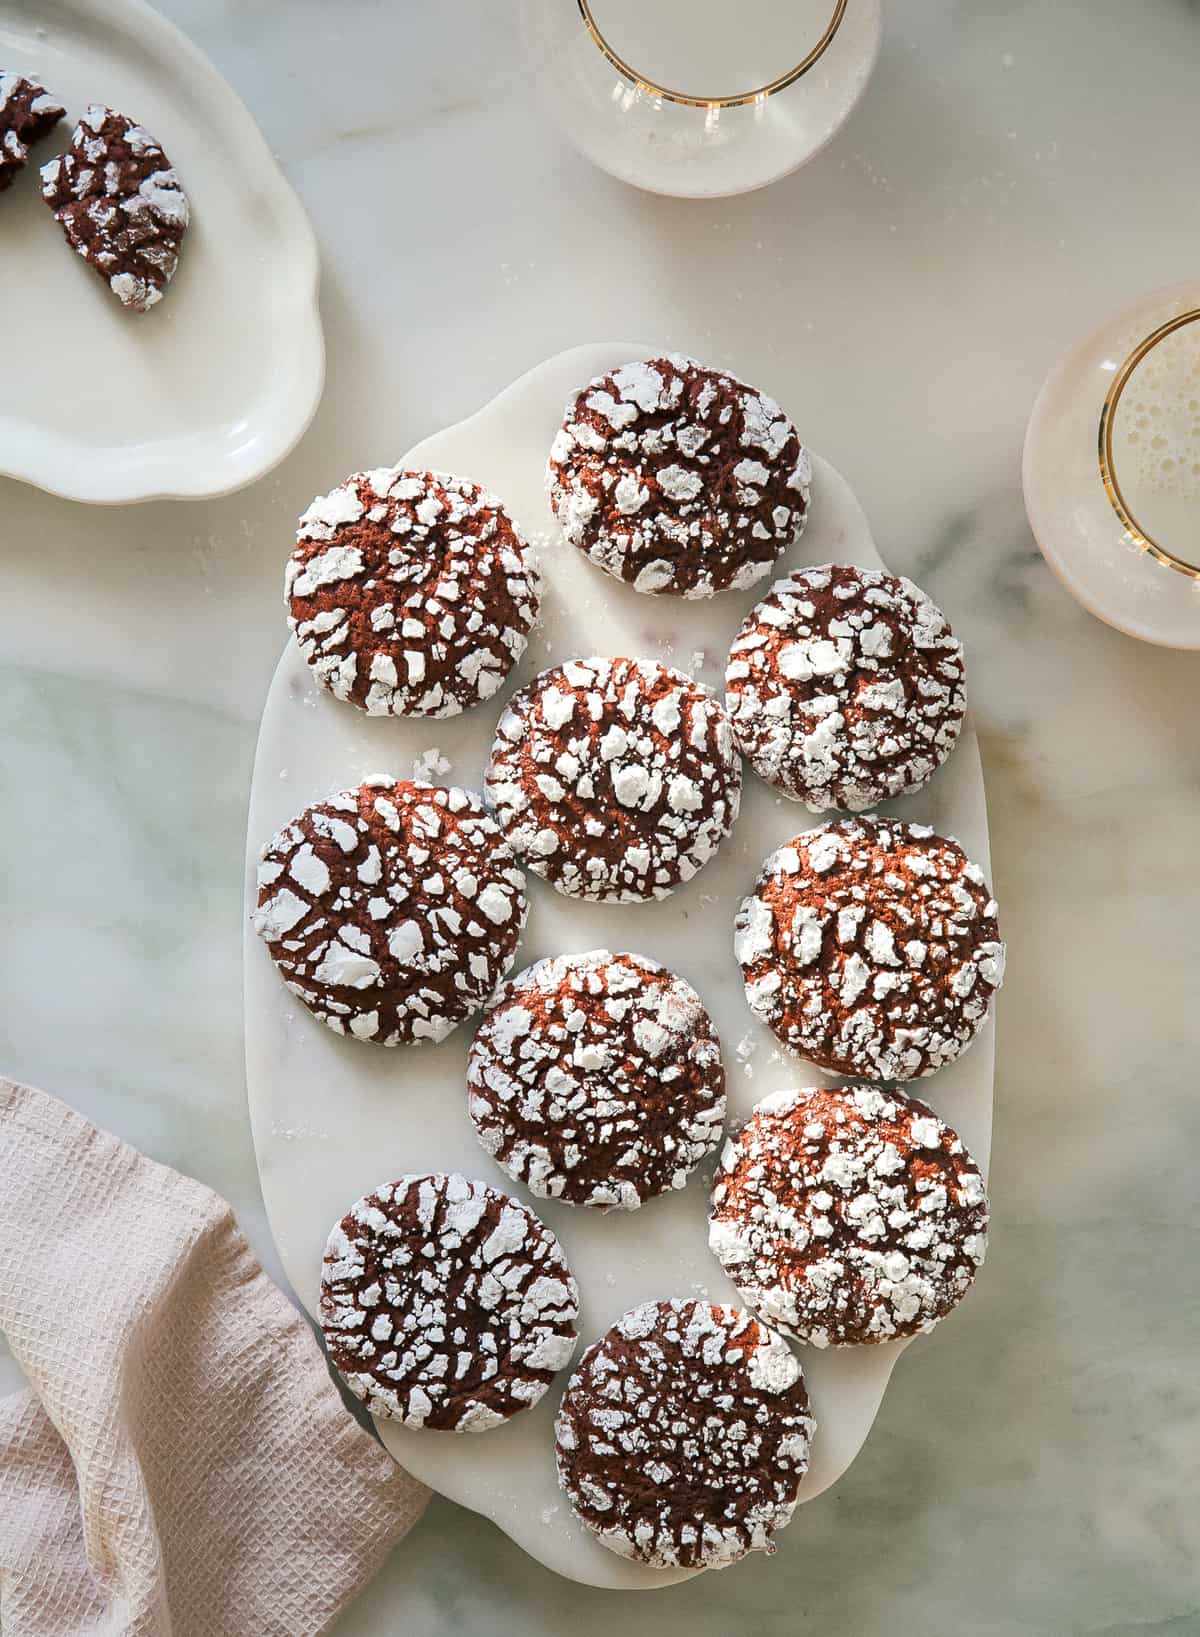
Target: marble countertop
x=1015, y=171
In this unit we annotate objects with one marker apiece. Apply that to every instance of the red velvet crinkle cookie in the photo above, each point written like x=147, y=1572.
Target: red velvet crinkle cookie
x=121, y=205
x=871, y=948
x=27, y=113
x=678, y=479
x=683, y=1435
x=446, y=1304
x=392, y=910
x=845, y=687
x=597, y=1079
x=848, y=1214
x=615, y=778
x=410, y=593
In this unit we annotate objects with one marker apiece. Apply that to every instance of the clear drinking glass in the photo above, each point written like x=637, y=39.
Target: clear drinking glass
x=701, y=98
x=1112, y=469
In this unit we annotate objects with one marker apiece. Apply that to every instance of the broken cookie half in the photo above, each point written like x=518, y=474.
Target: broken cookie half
x=27, y=113
x=121, y=205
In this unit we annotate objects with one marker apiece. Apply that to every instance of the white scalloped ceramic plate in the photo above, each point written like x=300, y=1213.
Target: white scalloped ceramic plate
x=214, y=386
x=334, y=1117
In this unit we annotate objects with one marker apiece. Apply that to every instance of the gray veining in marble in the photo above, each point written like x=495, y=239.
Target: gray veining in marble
x=1015, y=171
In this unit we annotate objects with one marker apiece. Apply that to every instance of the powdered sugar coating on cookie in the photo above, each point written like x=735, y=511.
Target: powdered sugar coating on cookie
x=848, y=1214
x=27, y=113
x=445, y=1304
x=597, y=1079
x=683, y=1435
x=410, y=593
x=871, y=948
x=392, y=910
x=678, y=479
x=845, y=687
x=120, y=204
x=615, y=778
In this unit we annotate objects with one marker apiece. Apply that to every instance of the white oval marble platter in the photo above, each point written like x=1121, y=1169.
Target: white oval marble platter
x=215, y=384
x=334, y=1117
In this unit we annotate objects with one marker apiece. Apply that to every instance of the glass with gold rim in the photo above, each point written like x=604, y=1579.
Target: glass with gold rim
x=701, y=98
x=1112, y=469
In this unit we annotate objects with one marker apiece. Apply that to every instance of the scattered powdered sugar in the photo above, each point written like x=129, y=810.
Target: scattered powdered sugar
x=430, y=765
x=392, y=910
x=848, y=1214
x=683, y=1435
x=871, y=947
x=410, y=593
x=678, y=479
x=845, y=687
x=615, y=778
x=597, y=1079
x=746, y=1048
x=445, y=1304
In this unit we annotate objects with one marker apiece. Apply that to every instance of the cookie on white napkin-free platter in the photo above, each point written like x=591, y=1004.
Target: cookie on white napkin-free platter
x=334, y=1118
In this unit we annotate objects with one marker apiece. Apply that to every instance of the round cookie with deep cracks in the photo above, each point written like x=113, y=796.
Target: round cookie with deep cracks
x=445, y=1304
x=871, y=948
x=615, y=779
x=678, y=479
x=848, y=1214
x=683, y=1435
x=597, y=1079
x=845, y=687
x=410, y=593
x=392, y=910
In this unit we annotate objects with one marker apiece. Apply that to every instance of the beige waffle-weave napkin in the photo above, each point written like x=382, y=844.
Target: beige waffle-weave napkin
x=183, y=1464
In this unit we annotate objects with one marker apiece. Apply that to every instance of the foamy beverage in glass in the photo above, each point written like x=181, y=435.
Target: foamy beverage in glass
x=1112, y=469
x=1150, y=442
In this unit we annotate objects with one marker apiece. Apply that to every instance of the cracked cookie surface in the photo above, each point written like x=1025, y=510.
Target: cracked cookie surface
x=615, y=778
x=678, y=479
x=120, y=204
x=445, y=1304
x=683, y=1435
x=845, y=687
x=410, y=593
x=871, y=947
x=27, y=113
x=848, y=1214
x=597, y=1079
x=391, y=910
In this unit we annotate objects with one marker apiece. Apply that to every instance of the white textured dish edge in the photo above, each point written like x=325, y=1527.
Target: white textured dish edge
x=226, y=373
x=333, y=1117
